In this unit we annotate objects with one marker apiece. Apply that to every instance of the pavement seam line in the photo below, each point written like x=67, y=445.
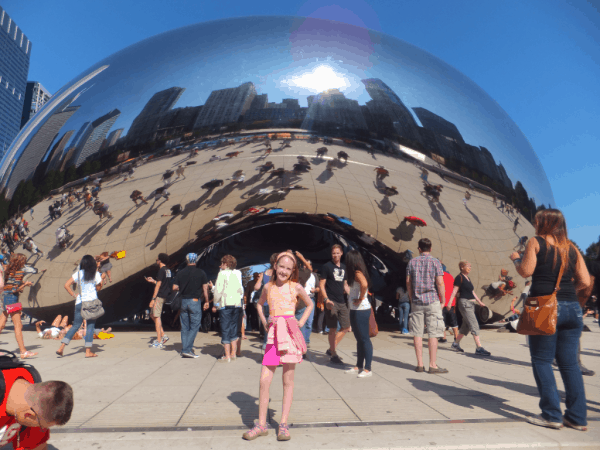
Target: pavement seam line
x=199, y=387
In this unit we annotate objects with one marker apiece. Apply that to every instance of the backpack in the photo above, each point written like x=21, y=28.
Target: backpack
x=10, y=361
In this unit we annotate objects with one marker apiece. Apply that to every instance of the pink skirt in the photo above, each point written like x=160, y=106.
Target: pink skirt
x=272, y=356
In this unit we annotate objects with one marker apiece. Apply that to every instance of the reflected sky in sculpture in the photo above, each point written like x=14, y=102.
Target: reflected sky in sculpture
x=287, y=57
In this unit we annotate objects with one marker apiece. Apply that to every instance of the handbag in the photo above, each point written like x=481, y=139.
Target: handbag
x=90, y=310
x=540, y=313
x=373, y=330
x=175, y=302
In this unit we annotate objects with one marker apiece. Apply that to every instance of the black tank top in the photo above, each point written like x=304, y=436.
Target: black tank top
x=544, y=276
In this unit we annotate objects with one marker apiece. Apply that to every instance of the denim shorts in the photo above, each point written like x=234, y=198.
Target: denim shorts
x=229, y=317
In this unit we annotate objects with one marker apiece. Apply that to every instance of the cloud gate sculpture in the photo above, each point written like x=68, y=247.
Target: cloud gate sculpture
x=291, y=133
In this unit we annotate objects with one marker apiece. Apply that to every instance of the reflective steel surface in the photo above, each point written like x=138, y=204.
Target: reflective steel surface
x=257, y=98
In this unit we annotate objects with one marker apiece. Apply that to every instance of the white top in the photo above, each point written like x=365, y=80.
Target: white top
x=228, y=290
x=310, y=284
x=354, y=293
x=88, y=288
x=497, y=284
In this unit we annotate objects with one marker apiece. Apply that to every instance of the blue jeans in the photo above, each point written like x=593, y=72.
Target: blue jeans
x=359, y=320
x=229, y=318
x=403, y=312
x=307, y=328
x=562, y=345
x=190, y=318
x=77, y=322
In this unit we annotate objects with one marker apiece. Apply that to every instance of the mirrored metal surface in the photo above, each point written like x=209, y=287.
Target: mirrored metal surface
x=272, y=112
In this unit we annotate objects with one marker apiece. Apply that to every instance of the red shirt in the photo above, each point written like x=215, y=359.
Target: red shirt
x=448, y=287
x=31, y=437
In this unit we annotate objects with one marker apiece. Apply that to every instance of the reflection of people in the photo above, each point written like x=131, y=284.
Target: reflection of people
x=104, y=266
x=180, y=171
x=89, y=282
x=137, y=195
x=545, y=255
x=333, y=274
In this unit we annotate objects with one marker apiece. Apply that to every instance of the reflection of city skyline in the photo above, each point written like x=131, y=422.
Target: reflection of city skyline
x=385, y=116
x=210, y=62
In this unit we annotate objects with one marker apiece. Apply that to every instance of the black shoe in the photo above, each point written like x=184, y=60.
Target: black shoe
x=328, y=352
x=482, y=352
x=442, y=340
x=586, y=372
x=336, y=360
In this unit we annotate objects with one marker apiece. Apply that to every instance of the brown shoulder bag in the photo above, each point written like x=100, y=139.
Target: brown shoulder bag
x=540, y=313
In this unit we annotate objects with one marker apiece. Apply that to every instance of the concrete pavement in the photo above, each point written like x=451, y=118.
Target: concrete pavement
x=138, y=397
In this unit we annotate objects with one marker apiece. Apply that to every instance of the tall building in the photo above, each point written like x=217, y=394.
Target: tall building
x=332, y=110
x=36, y=96
x=93, y=136
x=39, y=144
x=438, y=124
x=15, y=52
x=55, y=156
x=225, y=106
x=144, y=125
x=113, y=136
x=391, y=114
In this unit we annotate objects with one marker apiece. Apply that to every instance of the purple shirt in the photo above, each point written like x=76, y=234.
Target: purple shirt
x=422, y=271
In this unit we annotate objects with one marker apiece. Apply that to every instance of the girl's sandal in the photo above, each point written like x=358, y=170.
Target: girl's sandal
x=28, y=354
x=255, y=432
x=284, y=433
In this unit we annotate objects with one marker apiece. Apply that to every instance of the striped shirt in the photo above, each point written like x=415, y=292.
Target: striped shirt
x=14, y=281
x=423, y=271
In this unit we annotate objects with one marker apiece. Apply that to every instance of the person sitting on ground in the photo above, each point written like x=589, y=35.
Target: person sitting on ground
x=56, y=331
x=30, y=409
x=513, y=320
x=498, y=289
x=175, y=211
x=137, y=195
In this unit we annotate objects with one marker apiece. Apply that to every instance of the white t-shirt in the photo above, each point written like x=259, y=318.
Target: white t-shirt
x=88, y=288
x=354, y=293
x=310, y=284
x=497, y=284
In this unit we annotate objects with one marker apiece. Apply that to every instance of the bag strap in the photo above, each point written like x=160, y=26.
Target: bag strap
x=560, y=274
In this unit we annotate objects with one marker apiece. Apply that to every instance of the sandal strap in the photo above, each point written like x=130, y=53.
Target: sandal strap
x=257, y=429
x=284, y=429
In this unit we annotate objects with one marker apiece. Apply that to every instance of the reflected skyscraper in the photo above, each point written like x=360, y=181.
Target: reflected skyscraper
x=93, y=136
x=113, y=136
x=331, y=110
x=36, y=96
x=145, y=124
x=56, y=154
x=438, y=124
x=389, y=112
x=15, y=52
x=225, y=106
x=40, y=144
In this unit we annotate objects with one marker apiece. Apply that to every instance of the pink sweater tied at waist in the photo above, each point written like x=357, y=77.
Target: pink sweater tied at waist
x=286, y=335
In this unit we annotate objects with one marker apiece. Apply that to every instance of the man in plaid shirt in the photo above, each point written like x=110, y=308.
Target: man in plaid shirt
x=425, y=287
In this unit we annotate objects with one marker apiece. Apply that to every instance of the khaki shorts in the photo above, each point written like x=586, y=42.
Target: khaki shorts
x=339, y=312
x=426, y=315
x=158, y=306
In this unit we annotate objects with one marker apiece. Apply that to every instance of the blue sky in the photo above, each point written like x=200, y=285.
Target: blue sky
x=540, y=60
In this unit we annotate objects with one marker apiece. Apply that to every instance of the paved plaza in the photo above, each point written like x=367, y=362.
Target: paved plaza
x=137, y=397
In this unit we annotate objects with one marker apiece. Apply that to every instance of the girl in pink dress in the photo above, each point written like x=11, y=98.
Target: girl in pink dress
x=285, y=343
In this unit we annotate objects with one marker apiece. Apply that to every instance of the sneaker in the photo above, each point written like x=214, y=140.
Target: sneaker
x=570, y=424
x=165, y=339
x=456, y=346
x=224, y=360
x=189, y=355
x=354, y=370
x=328, y=352
x=255, y=432
x=540, y=421
x=157, y=344
x=336, y=360
x=364, y=374
x=405, y=331
x=442, y=340
x=482, y=352
x=595, y=320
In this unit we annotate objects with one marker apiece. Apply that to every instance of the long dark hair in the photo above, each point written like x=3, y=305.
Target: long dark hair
x=354, y=262
x=88, y=266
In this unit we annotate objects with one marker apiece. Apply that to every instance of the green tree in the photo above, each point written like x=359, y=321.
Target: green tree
x=71, y=174
x=593, y=249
